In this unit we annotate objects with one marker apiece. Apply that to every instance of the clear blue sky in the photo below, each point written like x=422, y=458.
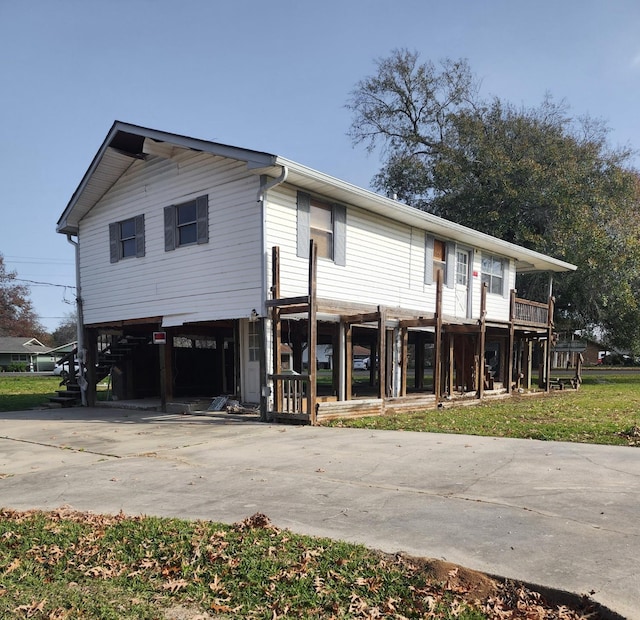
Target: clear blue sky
x=271, y=76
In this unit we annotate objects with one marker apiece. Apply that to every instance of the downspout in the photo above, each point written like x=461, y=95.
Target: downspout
x=265, y=186
x=80, y=324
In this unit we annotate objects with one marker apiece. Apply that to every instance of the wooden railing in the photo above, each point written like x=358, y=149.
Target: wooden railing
x=293, y=391
x=530, y=312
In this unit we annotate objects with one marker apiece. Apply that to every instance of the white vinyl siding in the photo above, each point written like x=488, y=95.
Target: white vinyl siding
x=217, y=280
x=385, y=263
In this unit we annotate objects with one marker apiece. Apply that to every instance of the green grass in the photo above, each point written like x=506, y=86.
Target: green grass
x=67, y=565
x=605, y=410
x=20, y=392
x=23, y=392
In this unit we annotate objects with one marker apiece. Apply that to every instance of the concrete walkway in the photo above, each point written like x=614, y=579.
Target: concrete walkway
x=562, y=515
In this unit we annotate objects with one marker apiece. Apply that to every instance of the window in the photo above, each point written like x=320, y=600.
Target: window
x=321, y=218
x=324, y=223
x=186, y=223
x=462, y=268
x=439, y=257
x=126, y=238
x=493, y=274
x=254, y=342
x=19, y=357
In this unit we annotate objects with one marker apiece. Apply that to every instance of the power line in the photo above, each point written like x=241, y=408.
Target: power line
x=42, y=283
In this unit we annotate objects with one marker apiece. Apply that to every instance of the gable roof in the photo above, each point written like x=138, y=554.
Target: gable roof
x=13, y=344
x=126, y=143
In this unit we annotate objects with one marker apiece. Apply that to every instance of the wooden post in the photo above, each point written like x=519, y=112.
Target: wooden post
x=481, y=340
x=276, y=326
x=348, y=360
x=91, y=347
x=312, y=339
x=437, y=354
x=382, y=352
x=419, y=361
x=163, y=377
x=510, y=345
x=547, y=359
x=404, y=353
x=451, y=370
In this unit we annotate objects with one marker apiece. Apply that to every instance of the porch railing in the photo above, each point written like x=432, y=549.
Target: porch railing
x=530, y=312
x=291, y=391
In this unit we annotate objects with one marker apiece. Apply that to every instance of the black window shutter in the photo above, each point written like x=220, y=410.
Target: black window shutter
x=340, y=235
x=202, y=214
x=114, y=242
x=169, y=228
x=139, y=235
x=304, y=224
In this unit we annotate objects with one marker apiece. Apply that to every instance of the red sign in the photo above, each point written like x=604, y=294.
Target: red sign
x=159, y=337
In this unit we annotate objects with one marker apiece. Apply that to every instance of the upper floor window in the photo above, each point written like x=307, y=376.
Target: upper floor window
x=439, y=258
x=321, y=219
x=493, y=274
x=186, y=223
x=324, y=223
x=126, y=238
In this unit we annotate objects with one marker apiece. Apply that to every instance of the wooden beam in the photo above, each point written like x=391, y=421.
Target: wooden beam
x=419, y=322
x=511, y=342
x=300, y=309
x=369, y=317
x=286, y=301
x=451, y=340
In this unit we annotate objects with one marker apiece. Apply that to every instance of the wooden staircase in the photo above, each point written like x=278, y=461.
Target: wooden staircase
x=116, y=352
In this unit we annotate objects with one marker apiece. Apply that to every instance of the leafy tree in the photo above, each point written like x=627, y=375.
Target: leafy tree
x=532, y=176
x=17, y=316
x=66, y=331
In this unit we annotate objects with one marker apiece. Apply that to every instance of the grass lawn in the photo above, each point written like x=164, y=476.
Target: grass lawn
x=68, y=565
x=19, y=392
x=605, y=410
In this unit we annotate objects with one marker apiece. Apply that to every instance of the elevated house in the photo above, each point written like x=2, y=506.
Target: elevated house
x=230, y=256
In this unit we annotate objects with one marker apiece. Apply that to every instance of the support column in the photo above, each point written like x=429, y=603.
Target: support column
x=404, y=359
x=91, y=349
x=312, y=339
x=276, y=326
x=348, y=361
x=382, y=353
x=437, y=354
x=481, y=340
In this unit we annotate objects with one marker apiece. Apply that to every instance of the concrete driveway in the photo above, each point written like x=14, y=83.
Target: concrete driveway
x=556, y=514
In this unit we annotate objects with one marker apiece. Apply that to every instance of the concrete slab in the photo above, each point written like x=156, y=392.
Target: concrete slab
x=556, y=514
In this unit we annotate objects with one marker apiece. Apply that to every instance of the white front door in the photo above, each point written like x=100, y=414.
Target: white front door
x=462, y=283
x=251, y=361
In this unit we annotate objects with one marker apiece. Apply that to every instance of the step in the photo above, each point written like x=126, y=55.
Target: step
x=64, y=401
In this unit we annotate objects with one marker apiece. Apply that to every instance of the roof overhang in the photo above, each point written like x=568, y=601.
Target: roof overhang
x=126, y=143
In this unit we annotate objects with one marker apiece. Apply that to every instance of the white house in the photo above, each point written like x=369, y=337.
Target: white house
x=232, y=253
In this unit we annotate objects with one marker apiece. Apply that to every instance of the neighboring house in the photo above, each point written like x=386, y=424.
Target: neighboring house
x=23, y=353
x=232, y=253
x=47, y=361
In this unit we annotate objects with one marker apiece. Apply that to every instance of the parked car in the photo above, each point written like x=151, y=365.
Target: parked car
x=62, y=369
x=361, y=363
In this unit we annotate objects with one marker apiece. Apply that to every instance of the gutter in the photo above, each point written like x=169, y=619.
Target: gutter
x=265, y=186
x=82, y=382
